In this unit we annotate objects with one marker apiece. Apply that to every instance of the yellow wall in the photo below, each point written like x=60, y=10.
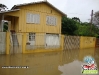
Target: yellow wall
x=42, y=27
x=39, y=41
x=18, y=19
x=87, y=42
x=7, y=42
x=14, y=13
x=14, y=22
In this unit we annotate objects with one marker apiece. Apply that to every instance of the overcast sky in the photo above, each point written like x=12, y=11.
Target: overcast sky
x=73, y=8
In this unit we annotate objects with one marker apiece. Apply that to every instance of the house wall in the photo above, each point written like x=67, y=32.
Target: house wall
x=13, y=13
x=40, y=41
x=14, y=22
x=43, y=10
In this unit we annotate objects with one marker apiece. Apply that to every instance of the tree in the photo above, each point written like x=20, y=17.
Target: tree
x=68, y=26
x=76, y=19
x=96, y=18
x=3, y=7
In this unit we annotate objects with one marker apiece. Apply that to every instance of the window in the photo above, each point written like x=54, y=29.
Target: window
x=50, y=20
x=31, y=36
x=31, y=41
x=33, y=18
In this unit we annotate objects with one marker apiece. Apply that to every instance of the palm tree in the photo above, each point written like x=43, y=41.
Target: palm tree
x=3, y=7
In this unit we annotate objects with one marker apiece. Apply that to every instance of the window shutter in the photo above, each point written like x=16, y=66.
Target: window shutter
x=38, y=19
x=50, y=20
x=55, y=21
x=47, y=20
x=33, y=18
x=28, y=17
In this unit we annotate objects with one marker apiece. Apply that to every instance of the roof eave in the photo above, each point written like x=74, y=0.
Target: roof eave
x=63, y=14
x=9, y=11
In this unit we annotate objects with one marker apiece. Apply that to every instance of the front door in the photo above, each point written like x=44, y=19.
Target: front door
x=31, y=41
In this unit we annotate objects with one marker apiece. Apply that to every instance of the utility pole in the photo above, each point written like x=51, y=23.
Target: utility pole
x=91, y=21
x=45, y=0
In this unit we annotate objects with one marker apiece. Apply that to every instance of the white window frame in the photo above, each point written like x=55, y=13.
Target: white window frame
x=33, y=18
x=51, y=20
x=31, y=36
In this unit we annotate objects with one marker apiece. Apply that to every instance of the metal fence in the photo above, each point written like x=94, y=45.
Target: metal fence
x=71, y=42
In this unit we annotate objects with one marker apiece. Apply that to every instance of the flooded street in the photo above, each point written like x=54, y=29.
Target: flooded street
x=66, y=62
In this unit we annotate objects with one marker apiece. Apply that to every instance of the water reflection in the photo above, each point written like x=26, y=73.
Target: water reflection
x=67, y=62
x=72, y=60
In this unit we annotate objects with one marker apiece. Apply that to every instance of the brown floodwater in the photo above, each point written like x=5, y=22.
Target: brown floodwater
x=67, y=62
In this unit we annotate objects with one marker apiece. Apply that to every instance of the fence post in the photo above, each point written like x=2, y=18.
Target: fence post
x=62, y=42
x=7, y=42
x=80, y=42
x=23, y=42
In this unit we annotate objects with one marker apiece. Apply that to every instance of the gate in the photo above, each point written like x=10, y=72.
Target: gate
x=71, y=42
x=97, y=43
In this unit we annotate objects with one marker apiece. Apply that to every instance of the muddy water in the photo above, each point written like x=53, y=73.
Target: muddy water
x=66, y=62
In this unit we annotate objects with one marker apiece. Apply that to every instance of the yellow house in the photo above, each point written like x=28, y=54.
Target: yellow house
x=33, y=27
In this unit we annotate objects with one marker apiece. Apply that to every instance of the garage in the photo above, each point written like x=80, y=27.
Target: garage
x=52, y=41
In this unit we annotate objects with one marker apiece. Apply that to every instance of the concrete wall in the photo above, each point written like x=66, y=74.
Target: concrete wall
x=87, y=42
x=2, y=42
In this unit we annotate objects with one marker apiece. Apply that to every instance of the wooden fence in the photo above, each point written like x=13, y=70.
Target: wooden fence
x=97, y=43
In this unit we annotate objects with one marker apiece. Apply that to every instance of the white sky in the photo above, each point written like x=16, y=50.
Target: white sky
x=73, y=8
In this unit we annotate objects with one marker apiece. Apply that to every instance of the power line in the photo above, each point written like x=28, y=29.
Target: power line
x=77, y=14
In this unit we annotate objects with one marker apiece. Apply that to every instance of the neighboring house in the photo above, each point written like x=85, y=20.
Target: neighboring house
x=38, y=23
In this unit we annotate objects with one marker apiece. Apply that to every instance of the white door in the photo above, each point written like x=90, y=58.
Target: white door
x=31, y=41
x=31, y=38
x=52, y=41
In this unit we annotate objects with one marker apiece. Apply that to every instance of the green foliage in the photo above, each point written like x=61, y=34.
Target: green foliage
x=68, y=26
x=71, y=27
x=76, y=19
x=5, y=26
